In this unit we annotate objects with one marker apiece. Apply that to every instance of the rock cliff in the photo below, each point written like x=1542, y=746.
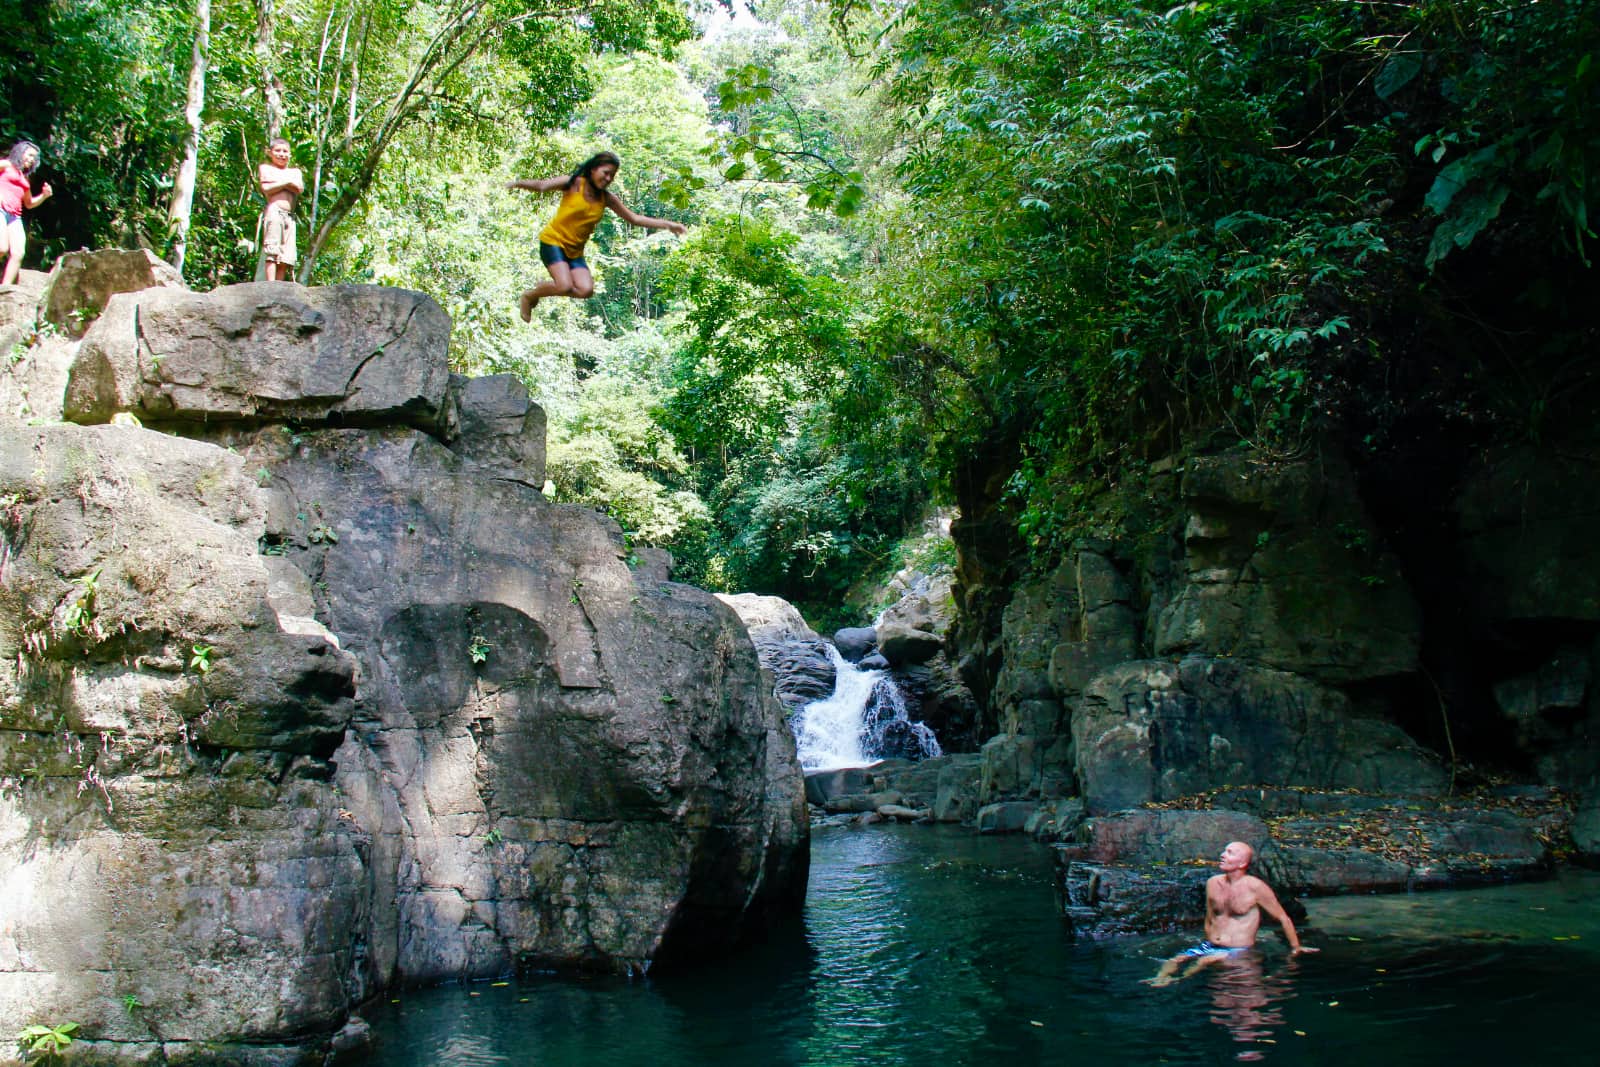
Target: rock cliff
x=1242, y=635
x=307, y=691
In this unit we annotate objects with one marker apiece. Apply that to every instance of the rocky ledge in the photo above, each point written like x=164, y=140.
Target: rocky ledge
x=306, y=691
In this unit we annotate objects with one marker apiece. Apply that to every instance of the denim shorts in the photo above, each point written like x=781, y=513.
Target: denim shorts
x=9, y=217
x=550, y=255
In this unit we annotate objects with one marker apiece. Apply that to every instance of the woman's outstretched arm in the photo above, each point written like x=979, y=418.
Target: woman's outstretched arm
x=538, y=185
x=649, y=222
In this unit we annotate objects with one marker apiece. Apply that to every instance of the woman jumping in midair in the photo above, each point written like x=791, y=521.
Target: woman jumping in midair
x=584, y=199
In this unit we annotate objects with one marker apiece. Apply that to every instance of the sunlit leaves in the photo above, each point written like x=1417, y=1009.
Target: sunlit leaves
x=776, y=143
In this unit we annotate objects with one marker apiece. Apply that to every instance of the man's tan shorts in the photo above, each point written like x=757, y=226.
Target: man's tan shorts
x=278, y=236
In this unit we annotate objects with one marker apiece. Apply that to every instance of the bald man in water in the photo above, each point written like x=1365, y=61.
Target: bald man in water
x=1235, y=900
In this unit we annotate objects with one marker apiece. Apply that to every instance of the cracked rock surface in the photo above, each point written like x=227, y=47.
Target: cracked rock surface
x=313, y=693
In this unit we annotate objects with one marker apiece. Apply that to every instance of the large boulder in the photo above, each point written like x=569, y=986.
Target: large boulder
x=565, y=767
x=498, y=428
x=854, y=642
x=83, y=282
x=801, y=663
x=266, y=351
x=331, y=709
x=911, y=631
x=903, y=646
x=1153, y=730
x=168, y=830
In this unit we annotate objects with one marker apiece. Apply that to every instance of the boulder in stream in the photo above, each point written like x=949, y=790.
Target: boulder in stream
x=296, y=712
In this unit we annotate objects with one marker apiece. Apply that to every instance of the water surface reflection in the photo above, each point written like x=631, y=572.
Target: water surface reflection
x=924, y=946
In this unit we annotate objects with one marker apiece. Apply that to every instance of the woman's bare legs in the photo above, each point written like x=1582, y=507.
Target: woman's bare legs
x=14, y=244
x=565, y=280
x=560, y=284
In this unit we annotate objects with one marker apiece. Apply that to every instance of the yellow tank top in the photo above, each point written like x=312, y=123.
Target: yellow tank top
x=575, y=220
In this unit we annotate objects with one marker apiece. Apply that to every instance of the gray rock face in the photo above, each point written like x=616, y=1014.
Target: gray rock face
x=613, y=783
x=160, y=730
x=1531, y=532
x=33, y=362
x=1415, y=849
x=942, y=702
x=1586, y=825
x=330, y=709
x=348, y=354
x=1057, y=633
x=957, y=797
x=1152, y=730
x=1283, y=567
x=498, y=428
x=82, y=282
x=802, y=670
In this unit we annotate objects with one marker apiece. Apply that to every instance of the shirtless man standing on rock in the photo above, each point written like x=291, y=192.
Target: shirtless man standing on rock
x=1235, y=900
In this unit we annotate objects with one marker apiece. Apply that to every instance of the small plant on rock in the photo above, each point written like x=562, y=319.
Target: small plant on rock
x=200, y=658
x=46, y=1041
x=478, y=650
x=79, y=616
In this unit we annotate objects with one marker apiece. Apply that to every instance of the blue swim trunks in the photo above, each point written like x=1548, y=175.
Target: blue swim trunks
x=1206, y=948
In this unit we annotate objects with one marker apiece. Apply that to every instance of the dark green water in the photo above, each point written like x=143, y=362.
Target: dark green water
x=934, y=946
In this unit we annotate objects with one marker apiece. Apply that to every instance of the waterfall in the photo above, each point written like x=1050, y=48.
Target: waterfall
x=864, y=720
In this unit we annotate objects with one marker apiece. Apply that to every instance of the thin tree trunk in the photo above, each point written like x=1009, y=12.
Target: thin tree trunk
x=266, y=48
x=182, y=206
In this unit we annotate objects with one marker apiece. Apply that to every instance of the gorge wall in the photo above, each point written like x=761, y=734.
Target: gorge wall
x=307, y=691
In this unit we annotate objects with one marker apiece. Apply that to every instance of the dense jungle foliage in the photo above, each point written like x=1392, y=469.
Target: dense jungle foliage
x=1004, y=253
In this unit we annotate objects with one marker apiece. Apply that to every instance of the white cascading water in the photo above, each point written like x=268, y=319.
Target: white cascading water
x=836, y=732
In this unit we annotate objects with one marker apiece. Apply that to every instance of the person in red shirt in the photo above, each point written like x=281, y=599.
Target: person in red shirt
x=585, y=195
x=16, y=196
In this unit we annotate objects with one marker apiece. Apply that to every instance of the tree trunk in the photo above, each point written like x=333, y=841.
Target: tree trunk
x=182, y=205
x=266, y=48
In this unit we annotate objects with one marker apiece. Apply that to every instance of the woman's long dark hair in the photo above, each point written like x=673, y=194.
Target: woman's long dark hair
x=599, y=159
x=20, y=149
